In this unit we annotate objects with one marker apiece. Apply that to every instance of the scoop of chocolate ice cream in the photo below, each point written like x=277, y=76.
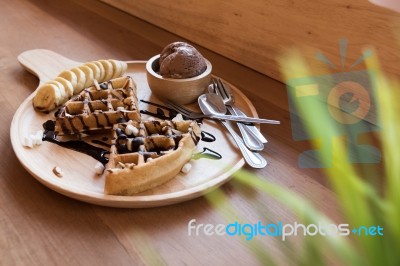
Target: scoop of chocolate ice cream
x=180, y=60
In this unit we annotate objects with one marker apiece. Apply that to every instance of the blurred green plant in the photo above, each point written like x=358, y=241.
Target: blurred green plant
x=362, y=203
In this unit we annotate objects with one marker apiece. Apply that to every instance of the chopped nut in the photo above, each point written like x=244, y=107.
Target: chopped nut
x=99, y=167
x=177, y=118
x=32, y=140
x=27, y=142
x=186, y=168
x=131, y=130
x=39, y=137
x=58, y=171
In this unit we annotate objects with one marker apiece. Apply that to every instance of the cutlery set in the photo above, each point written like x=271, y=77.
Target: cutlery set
x=215, y=105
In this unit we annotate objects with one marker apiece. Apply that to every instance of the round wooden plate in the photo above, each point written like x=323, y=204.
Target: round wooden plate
x=80, y=181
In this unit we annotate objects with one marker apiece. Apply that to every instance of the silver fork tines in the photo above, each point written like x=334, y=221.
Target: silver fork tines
x=252, y=137
x=220, y=88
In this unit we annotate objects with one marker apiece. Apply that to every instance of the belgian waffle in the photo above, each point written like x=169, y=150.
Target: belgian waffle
x=99, y=107
x=147, y=154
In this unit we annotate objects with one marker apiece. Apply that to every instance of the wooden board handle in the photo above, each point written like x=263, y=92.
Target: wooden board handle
x=45, y=64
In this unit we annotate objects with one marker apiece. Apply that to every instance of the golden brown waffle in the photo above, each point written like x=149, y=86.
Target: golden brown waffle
x=99, y=107
x=147, y=154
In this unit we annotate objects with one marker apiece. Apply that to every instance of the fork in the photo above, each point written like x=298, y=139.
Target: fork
x=253, y=159
x=194, y=115
x=252, y=139
x=186, y=112
x=230, y=103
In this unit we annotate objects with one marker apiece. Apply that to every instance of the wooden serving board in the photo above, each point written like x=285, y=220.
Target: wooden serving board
x=80, y=181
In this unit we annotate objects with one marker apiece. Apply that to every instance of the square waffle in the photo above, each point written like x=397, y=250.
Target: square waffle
x=99, y=107
x=147, y=154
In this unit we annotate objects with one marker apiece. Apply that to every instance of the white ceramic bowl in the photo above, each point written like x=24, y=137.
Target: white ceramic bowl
x=180, y=91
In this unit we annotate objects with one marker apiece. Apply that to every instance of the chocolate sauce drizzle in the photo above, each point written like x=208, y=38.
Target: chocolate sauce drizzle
x=207, y=154
x=107, y=110
x=101, y=155
x=77, y=145
x=160, y=113
x=207, y=137
x=99, y=142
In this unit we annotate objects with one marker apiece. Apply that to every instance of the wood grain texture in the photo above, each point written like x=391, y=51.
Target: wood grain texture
x=257, y=33
x=41, y=227
x=263, y=34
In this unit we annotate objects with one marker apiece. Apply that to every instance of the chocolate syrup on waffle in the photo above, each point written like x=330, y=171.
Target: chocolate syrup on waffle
x=102, y=155
x=160, y=113
x=77, y=145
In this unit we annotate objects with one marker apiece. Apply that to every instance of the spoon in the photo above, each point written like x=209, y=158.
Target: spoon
x=228, y=97
x=253, y=138
x=212, y=105
x=206, y=103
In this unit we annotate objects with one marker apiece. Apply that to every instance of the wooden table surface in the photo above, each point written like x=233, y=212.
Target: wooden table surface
x=41, y=227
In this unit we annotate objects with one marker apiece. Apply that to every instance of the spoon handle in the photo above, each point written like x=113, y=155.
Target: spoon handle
x=249, y=138
x=245, y=119
x=253, y=130
x=253, y=159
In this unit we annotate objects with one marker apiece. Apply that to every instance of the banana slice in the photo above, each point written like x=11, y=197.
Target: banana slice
x=89, y=75
x=46, y=97
x=63, y=94
x=102, y=71
x=117, y=68
x=70, y=76
x=81, y=80
x=69, y=82
x=108, y=69
x=69, y=89
x=124, y=67
x=95, y=69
